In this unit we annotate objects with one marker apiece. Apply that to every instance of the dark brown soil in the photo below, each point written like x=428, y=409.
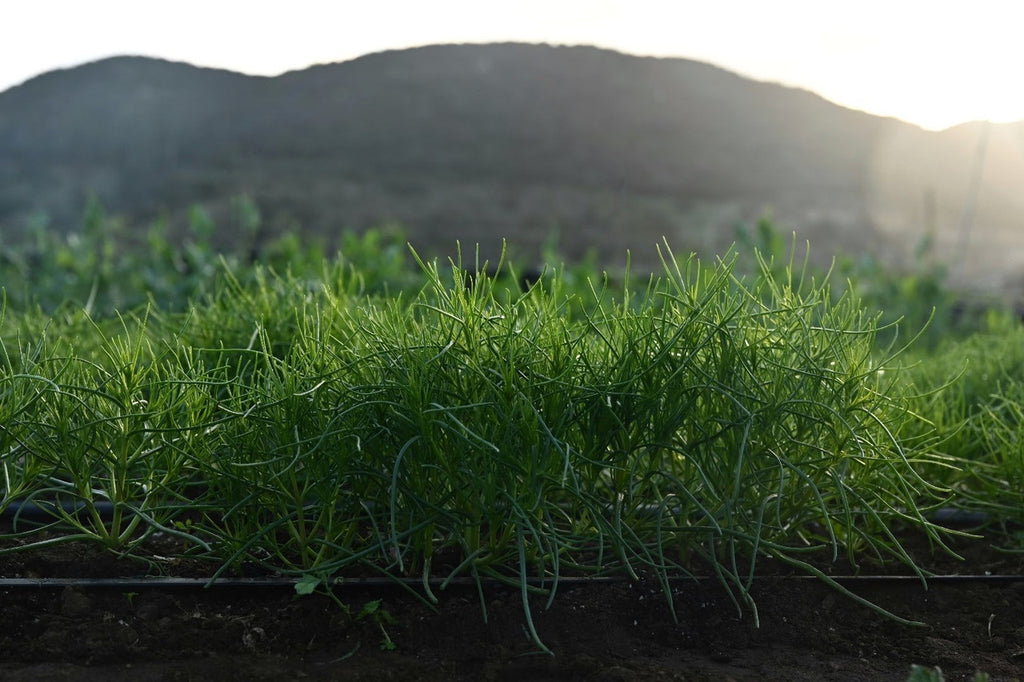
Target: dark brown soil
x=620, y=631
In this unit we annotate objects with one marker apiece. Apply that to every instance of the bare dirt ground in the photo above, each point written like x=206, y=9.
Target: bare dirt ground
x=620, y=631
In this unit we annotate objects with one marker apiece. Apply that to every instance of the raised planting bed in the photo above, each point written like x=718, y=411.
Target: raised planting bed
x=76, y=612
x=708, y=475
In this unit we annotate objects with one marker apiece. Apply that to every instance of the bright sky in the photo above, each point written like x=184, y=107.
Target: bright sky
x=931, y=63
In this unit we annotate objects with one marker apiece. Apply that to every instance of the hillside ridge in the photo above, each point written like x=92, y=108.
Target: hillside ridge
x=479, y=142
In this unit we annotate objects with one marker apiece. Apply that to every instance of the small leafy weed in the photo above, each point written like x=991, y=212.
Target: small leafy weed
x=373, y=612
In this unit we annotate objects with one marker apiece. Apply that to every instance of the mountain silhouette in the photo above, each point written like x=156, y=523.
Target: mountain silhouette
x=483, y=142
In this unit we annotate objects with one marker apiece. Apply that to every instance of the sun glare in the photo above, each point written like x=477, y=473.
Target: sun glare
x=931, y=64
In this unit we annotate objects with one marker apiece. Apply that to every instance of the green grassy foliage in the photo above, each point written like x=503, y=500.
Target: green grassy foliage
x=971, y=393
x=372, y=412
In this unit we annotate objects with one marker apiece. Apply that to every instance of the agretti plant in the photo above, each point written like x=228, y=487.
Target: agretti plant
x=699, y=421
x=702, y=422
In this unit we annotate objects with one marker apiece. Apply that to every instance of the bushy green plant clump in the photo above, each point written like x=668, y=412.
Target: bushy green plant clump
x=699, y=423
x=966, y=377
x=971, y=395
x=327, y=415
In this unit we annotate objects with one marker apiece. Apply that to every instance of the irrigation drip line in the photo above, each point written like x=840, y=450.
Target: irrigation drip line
x=377, y=583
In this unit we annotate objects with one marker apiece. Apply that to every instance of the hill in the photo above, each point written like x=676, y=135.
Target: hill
x=480, y=142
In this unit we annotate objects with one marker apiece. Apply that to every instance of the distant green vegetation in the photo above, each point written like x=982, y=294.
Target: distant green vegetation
x=107, y=267
x=371, y=412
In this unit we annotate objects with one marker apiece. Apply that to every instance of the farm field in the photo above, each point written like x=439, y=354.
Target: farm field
x=703, y=473
x=619, y=631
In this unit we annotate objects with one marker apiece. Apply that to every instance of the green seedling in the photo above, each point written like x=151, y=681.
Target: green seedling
x=379, y=616
x=311, y=584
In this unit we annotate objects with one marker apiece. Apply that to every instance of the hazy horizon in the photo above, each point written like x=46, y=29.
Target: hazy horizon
x=932, y=66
